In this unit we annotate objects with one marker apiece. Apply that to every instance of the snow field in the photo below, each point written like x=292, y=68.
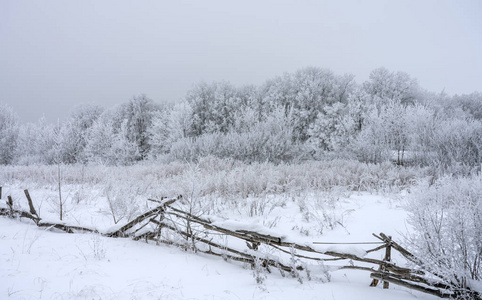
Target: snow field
x=40, y=264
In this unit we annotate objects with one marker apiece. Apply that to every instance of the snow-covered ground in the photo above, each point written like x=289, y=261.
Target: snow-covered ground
x=40, y=264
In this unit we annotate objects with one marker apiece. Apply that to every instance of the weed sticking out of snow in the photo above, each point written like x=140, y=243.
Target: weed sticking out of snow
x=30, y=237
x=260, y=273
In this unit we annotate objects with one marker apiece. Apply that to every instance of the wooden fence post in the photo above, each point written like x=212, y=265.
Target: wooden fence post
x=10, y=205
x=30, y=203
x=388, y=257
x=160, y=225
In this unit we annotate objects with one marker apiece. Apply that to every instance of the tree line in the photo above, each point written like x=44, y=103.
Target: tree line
x=309, y=114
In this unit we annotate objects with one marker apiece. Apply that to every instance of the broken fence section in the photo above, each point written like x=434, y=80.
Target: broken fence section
x=180, y=227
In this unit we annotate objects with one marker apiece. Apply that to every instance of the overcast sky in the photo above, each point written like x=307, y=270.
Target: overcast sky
x=55, y=54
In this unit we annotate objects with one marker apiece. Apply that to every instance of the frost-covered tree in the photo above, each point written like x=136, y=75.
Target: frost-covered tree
x=109, y=143
x=276, y=93
x=159, y=134
x=304, y=94
x=123, y=150
x=338, y=125
x=371, y=143
x=137, y=113
x=313, y=88
x=391, y=130
x=332, y=130
x=100, y=138
x=42, y=142
x=26, y=153
x=358, y=104
x=250, y=98
x=59, y=142
x=168, y=126
x=422, y=122
x=270, y=139
x=471, y=104
x=36, y=143
x=457, y=145
x=395, y=120
x=8, y=134
x=75, y=131
x=384, y=84
x=213, y=107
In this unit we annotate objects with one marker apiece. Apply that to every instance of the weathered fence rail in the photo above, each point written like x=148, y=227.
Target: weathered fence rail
x=175, y=226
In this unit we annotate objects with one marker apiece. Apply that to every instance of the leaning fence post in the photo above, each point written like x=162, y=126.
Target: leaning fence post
x=30, y=204
x=0, y=192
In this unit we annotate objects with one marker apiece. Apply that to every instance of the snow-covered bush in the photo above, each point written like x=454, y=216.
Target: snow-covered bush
x=268, y=140
x=372, y=142
x=447, y=222
x=168, y=126
x=457, y=145
x=36, y=143
x=121, y=200
x=109, y=144
x=259, y=273
x=332, y=130
x=225, y=177
x=385, y=134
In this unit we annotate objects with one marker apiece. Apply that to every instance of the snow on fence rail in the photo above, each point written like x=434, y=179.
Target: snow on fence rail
x=175, y=226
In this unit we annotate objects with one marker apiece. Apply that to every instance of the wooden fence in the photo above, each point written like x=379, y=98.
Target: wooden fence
x=172, y=225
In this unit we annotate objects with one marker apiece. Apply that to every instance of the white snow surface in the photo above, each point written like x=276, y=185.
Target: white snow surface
x=40, y=264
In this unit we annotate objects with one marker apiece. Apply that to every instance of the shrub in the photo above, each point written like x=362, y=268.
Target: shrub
x=268, y=140
x=447, y=218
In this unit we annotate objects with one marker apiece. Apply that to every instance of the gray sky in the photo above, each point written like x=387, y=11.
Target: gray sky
x=55, y=54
